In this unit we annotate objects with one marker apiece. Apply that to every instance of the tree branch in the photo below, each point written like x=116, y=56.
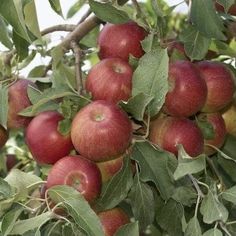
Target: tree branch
x=54, y=28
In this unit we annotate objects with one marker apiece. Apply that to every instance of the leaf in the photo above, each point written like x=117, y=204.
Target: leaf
x=150, y=43
x=206, y=20
x=131, y=229
x=226, y=4
x=78, y=208
x=230, y=195
x=136, y=105
x=205, y=126
x=75, y=8
x=38, y=71
x=117, y=188
x=193, y=228
x=90, y=39
x=108, y=13
x=188, y=165
x=64, y=126
x=213, y=232
x=155, y=165
x=5, y=189
x=56, y=6
x=3, y=106
x=151, y=78
x=212, y=209
x=195, y=44
x=12, y=12
x=23, y=226
x=142, y=203
x=4, y=34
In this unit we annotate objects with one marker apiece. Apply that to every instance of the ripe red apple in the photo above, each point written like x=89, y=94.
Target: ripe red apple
x=220, y=8
x=3, y=136
x=120, y=40
x=112, y=220
x=111, y=80
x=11, y=161
x=187, y=90
x=229, y=116
x=101, y=131
x=218, y=124
x=168, y=132
x=17, y=101
x=220, y=85
x=77, y=172
x=45, y=142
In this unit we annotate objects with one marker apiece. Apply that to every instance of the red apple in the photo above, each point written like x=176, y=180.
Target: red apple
x=112, y=220
x=220, y=85
x=120, y=40
x=168, y=132
x=111, y=80
x=3, y=136
x=45, y=142
x=176, y=47
x=77, y=172
x=17, y=101
x=187, y=90
x=11, y=161
x=101, y=131
x=220, y=8
x=229, y=116
x=218, y=124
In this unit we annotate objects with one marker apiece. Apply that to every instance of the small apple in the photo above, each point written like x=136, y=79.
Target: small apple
x=11, y=161
x=45, y=142
x=120, y=40
x=17, y=101
x=3, y=136
x=187, y=90
x=229, y=116
x=77, y=172
x=218, y=124
x=111, y=80
x=101, y=131
x=168, y=132
x=112, y=220
x=220, y=85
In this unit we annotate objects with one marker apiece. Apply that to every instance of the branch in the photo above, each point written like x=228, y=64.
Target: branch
x=54, y=28
x=85, y=16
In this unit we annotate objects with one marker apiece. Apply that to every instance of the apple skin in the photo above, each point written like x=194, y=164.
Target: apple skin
x=229, y=116
x=231, y=11
x=101, y=131
x=11, y=161
x=112, y=220
x=77, y=172
x=113, y=72
x=120, y=40
x=220, y=85
x=44, y=141
x=218, y=124
x=3, y=136
x=17, y=101
x=187, y=90
x=168, y=132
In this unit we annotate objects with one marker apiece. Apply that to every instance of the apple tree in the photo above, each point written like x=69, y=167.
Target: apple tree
x=126, y=126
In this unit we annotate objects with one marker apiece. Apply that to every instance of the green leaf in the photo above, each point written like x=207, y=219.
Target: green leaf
x=31, y=19
x=57, y=54
x=150, y=43
x=117, y=188
x=151, y=78
x=188, y=165
x=142, y=203
x=5, y=189
x=38, y=71
x=155, y=165
x=212, y=209
x=64, y=126
x=22, y=226
x=3, y=106
x=13, y=13
x=108, y=13
x=205, y=126
x=56, y=6
x=131, y=229
x=4, y=34
x=226, y=4
x=193, y=228
x=78, y=208
x=230, y=195
x=75, y=8
x=195, y=44
x=207, y=21
x=136, y=105
x=90, y=39
x=213, y=232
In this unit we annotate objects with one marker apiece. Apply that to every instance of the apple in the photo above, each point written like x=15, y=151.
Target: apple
x=187, y=90
x=120, y=40
x=176, y=47
x=229, y=116
x=167, y=132
x=101, y=131
x=220, y=85
x=111, y=80
x=77, y=172
x=218, y=124
x=3, y=136
x=112, y=220
x=11, y=161
x=220, y=8
x=17, y=101
x=45, y=142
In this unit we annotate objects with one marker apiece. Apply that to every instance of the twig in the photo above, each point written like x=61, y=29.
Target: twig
x=65, y=27
x=223, y=227
x=195, y=183
x=85, y=16
x=79, y=79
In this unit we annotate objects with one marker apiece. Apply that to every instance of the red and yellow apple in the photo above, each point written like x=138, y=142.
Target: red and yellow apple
x=229, y=116
x=3, y=136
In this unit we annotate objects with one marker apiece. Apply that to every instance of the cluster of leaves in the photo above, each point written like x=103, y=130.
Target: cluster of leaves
x=166, y=196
